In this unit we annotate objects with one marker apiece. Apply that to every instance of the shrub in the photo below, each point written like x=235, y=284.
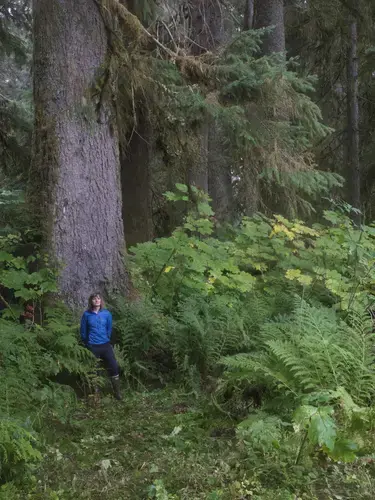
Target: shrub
x=18, y=451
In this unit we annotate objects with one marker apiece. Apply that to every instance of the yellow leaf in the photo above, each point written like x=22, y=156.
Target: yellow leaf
x=293, y=274
x=305, y=280
x=169, y=268
x=280, y=228
x=281, y=219
x=302, y=229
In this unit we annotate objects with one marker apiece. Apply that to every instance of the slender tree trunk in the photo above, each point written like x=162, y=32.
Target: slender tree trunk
x=76, y=158
x=267, y=14
x=271, y=13
x=252, y=197
x=136, y=191
x=205, y=18
x=208, y=29
x=212, y=173
x=353, y=122
x=208, y=33
x=220, y=186
x=248, y=15
x=197, y=173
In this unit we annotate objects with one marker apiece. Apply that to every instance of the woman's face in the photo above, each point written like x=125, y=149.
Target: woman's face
x=96, y=301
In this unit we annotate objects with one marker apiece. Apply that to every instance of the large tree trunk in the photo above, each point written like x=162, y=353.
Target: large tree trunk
x=136, y=185
x=76, y=158
x=271, y=13
x=353, y=122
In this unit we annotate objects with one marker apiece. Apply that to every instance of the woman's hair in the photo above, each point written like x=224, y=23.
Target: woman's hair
x=92, y=296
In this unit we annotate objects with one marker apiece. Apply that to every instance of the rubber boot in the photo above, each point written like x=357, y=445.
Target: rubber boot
x=116, y=387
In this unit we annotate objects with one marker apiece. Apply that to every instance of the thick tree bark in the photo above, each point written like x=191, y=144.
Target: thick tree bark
x=353, y=122
x=136, y=191
x=76, y=158
x=271, y=13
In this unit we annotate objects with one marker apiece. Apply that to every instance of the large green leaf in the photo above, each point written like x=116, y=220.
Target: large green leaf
x=319, y=424
x=322, y=428
x=344, y=450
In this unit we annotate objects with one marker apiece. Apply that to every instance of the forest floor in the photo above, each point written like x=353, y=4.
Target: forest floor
x=139, y=448
x=166, y=445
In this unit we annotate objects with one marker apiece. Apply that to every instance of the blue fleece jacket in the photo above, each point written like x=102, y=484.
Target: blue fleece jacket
x=96, y=328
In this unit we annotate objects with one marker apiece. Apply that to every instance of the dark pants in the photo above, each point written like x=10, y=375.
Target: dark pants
x=105, y=353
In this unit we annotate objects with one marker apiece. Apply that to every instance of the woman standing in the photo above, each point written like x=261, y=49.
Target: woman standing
x=96, y=331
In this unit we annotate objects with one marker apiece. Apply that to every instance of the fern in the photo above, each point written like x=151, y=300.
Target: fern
x=312, y=351
x=17, y=450
x=31, y=358
x=140, y=330
x=59, y=339
x=204, y=330
x=22, y=363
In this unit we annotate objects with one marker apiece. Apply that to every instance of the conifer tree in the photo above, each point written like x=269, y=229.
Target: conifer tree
x=76, y=169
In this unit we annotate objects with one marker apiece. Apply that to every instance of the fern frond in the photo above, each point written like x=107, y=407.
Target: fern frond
x=311, y=351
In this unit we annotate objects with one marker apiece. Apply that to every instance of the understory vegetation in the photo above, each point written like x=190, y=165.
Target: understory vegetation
x=247, y=358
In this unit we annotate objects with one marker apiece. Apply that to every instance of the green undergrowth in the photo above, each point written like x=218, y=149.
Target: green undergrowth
x=253, y=346
x=168, y=445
